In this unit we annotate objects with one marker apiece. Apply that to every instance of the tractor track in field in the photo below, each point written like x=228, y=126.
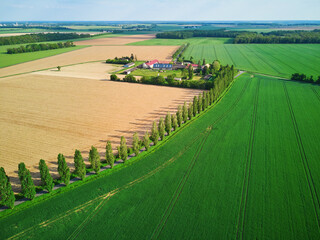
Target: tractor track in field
x=304, y=159
x=259, y=57
x=215, y=52
x=180, y=188
x=246, y=179
x=233, y=62
x=315, y=92
x=175, y=197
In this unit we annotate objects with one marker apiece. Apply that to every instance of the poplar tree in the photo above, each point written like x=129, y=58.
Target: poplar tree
x=28, y=189
x=190, y=111
x=80, y=166
x=46, y=179
x=135, y=144
x=199, y=103
x=7, y=197
x=154, y=133
x=212, y=95
x=168, y=125
x=146, y=141
x=185, y=112
x=123, y=149
x=109, y=154
x=195, y=106
x=208, y=99
x=94, y=159
x=161, y=129
x=174, y=122
x=204, y=101
x=63, y=169
x=179, y=116
x=190, y=72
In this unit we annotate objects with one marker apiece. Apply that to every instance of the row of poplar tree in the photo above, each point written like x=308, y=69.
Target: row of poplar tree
x=158, y=132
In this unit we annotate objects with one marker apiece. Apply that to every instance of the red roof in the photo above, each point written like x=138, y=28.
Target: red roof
x=152, y=62
x=193, y=65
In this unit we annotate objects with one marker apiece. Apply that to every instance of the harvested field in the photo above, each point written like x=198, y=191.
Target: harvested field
x=42, y=115
x=94, y=53
x=94, y=70
x=122, y=40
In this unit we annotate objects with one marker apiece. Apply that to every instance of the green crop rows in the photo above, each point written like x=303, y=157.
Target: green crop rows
x=272, y=59
x=247, y=168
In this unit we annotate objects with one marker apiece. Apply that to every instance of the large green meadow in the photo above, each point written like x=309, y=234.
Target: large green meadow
x=248, y=168
x=273, y=59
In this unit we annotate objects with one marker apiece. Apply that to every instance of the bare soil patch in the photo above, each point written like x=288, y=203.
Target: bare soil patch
x=94, y=53
x=42, y=115
x=122, y=40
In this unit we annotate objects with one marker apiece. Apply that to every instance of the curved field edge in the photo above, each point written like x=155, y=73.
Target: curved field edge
x=7, y=60
x=118, y=167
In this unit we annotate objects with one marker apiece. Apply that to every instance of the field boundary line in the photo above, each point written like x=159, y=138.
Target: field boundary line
x=246, y=179
x=304, y=159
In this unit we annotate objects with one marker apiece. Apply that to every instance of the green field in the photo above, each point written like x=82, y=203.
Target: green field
x=272, y=59
x=178, y=42
x=12, y=59
x=248, y=168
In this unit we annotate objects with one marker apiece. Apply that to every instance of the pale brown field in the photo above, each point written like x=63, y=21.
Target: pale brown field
x=93, y=53
x=43, y=115
x=122, y=40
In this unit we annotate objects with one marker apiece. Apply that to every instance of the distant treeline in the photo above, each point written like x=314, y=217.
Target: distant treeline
x=39, y=47
x=279, y=37
x=122, y=60
x=224, y=76
x=40, y=37
x=303, y=78
x=298, y=36
x=198, y=33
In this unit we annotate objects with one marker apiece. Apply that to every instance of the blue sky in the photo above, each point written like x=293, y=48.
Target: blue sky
x=158, y=10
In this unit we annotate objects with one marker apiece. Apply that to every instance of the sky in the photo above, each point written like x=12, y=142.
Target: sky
x=158, y=10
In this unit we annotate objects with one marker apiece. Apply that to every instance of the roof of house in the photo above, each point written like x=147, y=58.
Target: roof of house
x=152, y=62
x=162, y=65
x=193, y=65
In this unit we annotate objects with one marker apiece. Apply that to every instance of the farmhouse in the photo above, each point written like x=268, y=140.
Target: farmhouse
x=150, y=64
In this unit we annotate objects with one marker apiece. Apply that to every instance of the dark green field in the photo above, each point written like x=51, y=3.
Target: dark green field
x=247, y=168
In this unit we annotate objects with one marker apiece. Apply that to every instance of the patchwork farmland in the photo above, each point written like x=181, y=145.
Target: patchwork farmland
x=270, y=150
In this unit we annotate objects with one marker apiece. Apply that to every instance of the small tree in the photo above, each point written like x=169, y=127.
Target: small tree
x=123, y=149
x=27, y=186
x=7, y=197
x=203, y=62
x=59, y=68
x=161, y=129
x=94, y=159
x=216, y=66
x=154, y=133
x=185, y=112
x=109, y=154
x=146, y=141
x=114, y=77
x=63, y=169
x=195, y=106
x=136, y=144
x=179, y=116
x=80, y=166
x=190, y=111
x=168, y=126
x=174, y=122
x=46, y=179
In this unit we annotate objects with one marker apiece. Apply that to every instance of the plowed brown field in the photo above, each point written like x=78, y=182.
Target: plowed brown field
x=122, y=40
x=92, y=54
x=43, y=115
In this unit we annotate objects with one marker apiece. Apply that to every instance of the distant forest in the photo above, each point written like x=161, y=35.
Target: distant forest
x=40, y=37
x=297, y=36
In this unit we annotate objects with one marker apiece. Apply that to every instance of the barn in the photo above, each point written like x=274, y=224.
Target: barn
x=150, y=64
